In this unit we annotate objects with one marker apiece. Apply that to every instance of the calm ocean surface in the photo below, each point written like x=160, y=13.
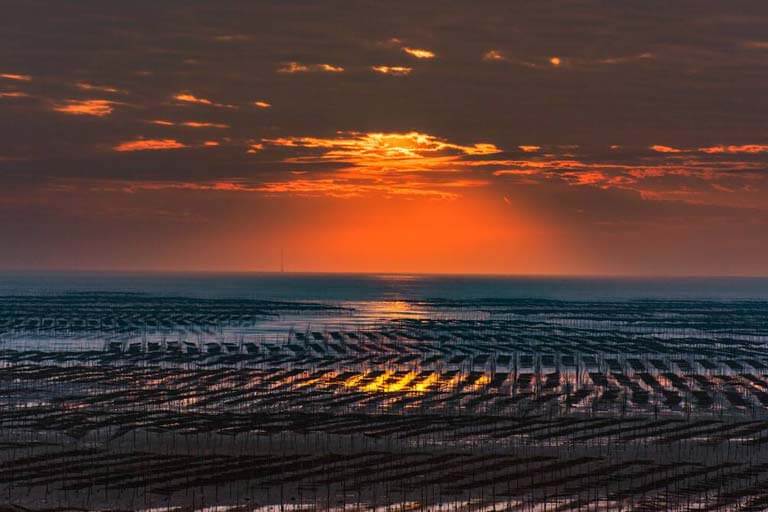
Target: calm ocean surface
x=382, y=287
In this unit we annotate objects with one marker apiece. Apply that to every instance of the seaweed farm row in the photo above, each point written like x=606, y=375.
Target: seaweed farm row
x=80, y=400
x=370, y=479
x=398, y=383
x=134, y=402
x=122, y=321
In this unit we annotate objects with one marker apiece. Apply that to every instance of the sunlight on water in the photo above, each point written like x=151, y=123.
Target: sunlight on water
x=386, y=310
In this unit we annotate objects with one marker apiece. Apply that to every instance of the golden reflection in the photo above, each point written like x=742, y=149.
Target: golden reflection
x=378, y=382
x=427, y=383
x=397, y=277
x=480, y=383
x=452, y=383
x=391, y=309
x=353, y=381
x=322, y=379
x=401, y=383
x=391, y=381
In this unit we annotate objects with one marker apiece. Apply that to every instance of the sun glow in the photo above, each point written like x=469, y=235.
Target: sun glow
x=374, y=148
x=406, y=163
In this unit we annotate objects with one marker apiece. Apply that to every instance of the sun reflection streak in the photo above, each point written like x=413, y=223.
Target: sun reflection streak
x=391, y=309
x=378, y=382
x=424, y=385
x=353, y=381
x=400, y=384
x=480, y=383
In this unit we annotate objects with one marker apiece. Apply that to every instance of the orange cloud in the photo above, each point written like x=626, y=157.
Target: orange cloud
x=757, y=45
x=94, y=107
x=262, y=104
x=362, y=147
x=409, y=163
x=392, y=70
x=419, y=165
x=298, y=67
x=13, y=76
x=746, y=148
x=665, y=149
x=330, y=68
x=293, y=67
x=175, y=185
x=557, y=61
x=229, y=38
x=191, y=98
x=186, y=97
x=198, y=124
x=347, y=189
x=189, y=124
x=13, y=94
x=85, y=86
x=319, y=187
x=621, y=60
x=419, y=53
x=149, y=145
x=697, y=177
x=493, y=55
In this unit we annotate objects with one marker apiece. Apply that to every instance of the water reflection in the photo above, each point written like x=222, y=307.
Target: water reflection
x=389, y=310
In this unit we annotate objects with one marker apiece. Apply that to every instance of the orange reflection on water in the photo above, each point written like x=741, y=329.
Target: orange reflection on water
x=392, y=309
x=353, y=381
x=480, y=383
x=401, y=383
x=451, y=384
x=378, y=382
x=384, y=383
x=424, y=385
x=323, y=379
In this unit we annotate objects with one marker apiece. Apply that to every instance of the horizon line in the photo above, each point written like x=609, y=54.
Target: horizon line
x=285, y=273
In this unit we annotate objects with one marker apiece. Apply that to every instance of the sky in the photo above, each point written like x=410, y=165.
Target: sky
x=502, y=137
